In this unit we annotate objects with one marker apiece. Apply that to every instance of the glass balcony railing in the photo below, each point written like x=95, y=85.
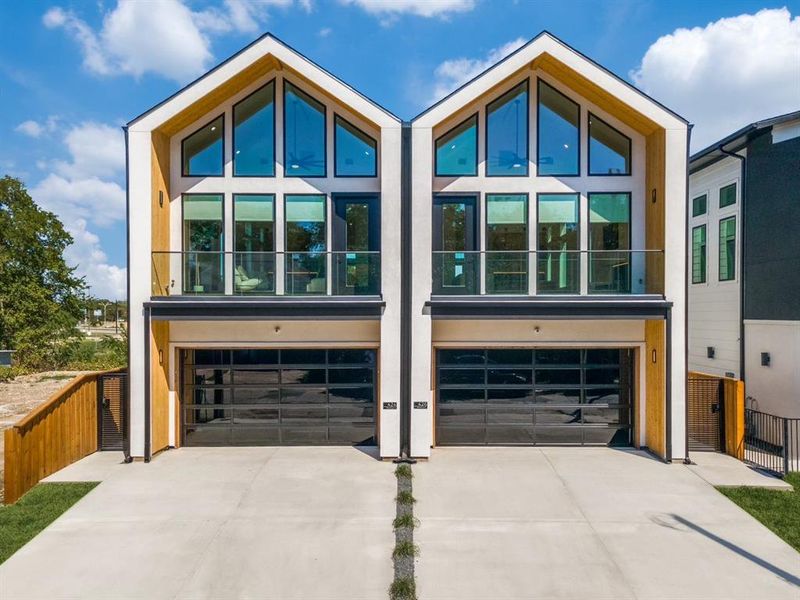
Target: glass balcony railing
x=544, y=272
x=266, y=273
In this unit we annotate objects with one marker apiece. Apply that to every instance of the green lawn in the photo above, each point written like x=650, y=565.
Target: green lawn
x=778, y=510
x=21, y=522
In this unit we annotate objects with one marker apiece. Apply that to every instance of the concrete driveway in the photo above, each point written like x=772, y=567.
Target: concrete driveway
x=586, y=523
x=277, y=523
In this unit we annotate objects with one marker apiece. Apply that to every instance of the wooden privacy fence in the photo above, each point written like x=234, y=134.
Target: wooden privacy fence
x=59, y=432
x=731, y=409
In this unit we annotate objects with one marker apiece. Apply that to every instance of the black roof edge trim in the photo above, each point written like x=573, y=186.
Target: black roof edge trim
x=242, y=51
x=545, y=32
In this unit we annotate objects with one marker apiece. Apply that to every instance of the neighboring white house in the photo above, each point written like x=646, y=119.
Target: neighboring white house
x=507, y=268
x=744, y=280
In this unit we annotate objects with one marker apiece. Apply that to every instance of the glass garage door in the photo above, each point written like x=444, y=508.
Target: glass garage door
x=542, y=396
x=272, y=397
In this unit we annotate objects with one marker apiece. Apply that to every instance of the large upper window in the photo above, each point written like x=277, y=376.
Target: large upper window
x=356, y=152
x=558, y=263
x=558, y=131
x=727, y=195
x=699, y=205
x=507, y=133
x=609, y=150
x=727, y=249
x=507, y=244
x=303, y=134
x=254, y=134
x=699, y=254
x=254, y=243
x=203, y=242
x=610, y=243
x=202, y=151
x=306, y=245
x=457, y=150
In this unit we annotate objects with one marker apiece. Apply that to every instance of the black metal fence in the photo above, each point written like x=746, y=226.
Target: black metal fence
x=771, y=442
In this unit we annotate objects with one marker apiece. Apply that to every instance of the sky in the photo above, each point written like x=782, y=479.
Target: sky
x=73, y=72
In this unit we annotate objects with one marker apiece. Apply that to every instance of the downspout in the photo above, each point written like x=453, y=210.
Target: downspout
x=126, y=441
x=686, y=458
x=742, y=196
x=405, y=295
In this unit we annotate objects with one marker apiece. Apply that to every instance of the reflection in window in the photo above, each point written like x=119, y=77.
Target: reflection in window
x=727, y=249
x=609, y=150
x=203, y=244
x=727, y=195
x=507, y=244
x=356, y=152
x=507, y=133
x=202, y=151
x=457, y=150
x=558, y=131
x=306, y=260
x=699, y=254
x=254, y=134
x=254, y=239
x=455, y=262
x=699, y=205
x=609, y=243
x=558, y=261
x=303, y=134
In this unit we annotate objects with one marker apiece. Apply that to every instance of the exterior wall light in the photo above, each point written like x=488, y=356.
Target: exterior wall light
x=765, y=359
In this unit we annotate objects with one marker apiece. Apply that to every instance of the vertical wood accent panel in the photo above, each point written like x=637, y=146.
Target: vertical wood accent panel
x=56, y=434
x=654, y=211
x=159, y=384
x=656, y=386
x=734, y=418
x=637, y=401
x=160, y=226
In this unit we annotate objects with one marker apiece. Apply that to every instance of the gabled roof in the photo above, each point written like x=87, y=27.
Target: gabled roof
x=265, y=46
x=547, y=44
x=736, y=140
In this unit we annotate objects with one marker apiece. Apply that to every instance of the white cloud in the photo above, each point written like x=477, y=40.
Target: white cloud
x=453, y=73
x=89, y=198
x=35, y=129
x=325, y=32
x=727, y=74
x=96, y=150
x=391, y=9
x=164, y=37
x=105, y=280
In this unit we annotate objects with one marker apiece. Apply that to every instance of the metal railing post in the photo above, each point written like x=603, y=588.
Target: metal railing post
x=785, y=445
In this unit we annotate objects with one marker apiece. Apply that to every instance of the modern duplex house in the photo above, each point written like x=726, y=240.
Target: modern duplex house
x=744, y=312
x=507, y=268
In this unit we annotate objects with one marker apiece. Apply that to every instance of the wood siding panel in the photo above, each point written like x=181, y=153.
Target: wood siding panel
x=160, y=210
x=51, y=437
x=654, y=212
x=655, y=386
x=159, y=390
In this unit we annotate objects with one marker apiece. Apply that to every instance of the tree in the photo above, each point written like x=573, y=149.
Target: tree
x=40, y=296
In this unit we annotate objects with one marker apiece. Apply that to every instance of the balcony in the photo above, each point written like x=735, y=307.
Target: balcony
x=547, y=273
x=254, y=274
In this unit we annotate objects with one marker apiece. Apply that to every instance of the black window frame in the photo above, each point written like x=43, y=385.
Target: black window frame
x=704, y=195
x=735, y=248
x=735, y=186
x=526, y=83
x=705, y=255
x=589, y=248
x=629, y=172
x=477, y=142
x=336, y=118
x=186, y=137
x=527, y=250
x=539, y=83
x=324, y=106
x=274, y=82
x=235, y=195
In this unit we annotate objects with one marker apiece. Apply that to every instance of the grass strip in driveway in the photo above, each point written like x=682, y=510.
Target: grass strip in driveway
x=22, y=521
x=404, y=586
x=779, y=510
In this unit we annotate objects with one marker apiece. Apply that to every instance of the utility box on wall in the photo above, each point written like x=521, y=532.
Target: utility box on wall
x=6, y=358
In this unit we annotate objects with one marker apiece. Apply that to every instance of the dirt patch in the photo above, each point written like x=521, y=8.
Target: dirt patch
x=21, y=395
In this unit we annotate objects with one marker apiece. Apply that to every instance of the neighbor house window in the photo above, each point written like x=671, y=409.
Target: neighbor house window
x=699, y=254
x=254, y=134
x=254, y=243
x=727, y=195
x=610, y=243
x=306, y=245
x=303, y=134
x=507, y=133
x=558, y=133
x=202, y=151
x=356, y=152
x=457, y=150
x=203, y=244
x=506, y=244
x=699, y=205
x=727, y=249
x=558, y=262
x=609, y=149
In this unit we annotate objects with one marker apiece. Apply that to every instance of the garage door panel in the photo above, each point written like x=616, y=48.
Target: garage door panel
x=539, y=396
x=256, y=416
x=256, y=376
x=255, y=395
